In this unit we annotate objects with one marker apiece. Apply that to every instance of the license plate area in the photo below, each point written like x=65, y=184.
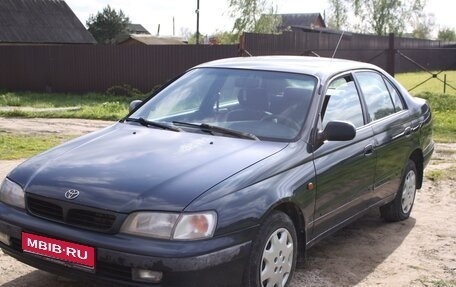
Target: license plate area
x=59, y=251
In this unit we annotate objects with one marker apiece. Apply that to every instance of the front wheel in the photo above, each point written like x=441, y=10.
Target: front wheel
x=401, y=207
x=274, y=253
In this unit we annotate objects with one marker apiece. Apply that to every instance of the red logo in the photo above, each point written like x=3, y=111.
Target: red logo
x=59, y=249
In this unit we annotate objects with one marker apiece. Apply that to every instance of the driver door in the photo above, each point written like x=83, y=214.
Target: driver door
x=344, y=169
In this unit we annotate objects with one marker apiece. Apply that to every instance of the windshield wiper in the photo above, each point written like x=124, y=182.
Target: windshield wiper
x=147, y=123
x=210, y=128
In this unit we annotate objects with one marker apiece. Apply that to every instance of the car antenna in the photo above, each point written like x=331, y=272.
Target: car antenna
x=338, y=43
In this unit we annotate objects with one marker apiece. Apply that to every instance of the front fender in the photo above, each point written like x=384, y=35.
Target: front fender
x=248, y=206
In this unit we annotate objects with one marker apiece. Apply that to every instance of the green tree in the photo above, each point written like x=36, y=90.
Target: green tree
x=386, y=16
x=224, y=37
x=268, y=23
x=423, y=26
x=447, y=34
x=253, y=16
x=106, y=25
x=338, y=14
x=191, y=38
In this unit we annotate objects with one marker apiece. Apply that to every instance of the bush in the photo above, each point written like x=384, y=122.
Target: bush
x=123, y=90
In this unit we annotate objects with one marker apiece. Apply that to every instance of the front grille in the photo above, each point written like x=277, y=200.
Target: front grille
x=72, y=214
x=45, y=209
x=90, y=219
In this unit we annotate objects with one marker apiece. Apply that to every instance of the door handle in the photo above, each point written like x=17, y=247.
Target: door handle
x=369, y=150
x=407, y=131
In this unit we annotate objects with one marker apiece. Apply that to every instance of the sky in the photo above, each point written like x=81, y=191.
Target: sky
x=214, y=14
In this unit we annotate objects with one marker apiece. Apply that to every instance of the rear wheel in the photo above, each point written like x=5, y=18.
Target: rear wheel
x=274, y=253
x=401, y=207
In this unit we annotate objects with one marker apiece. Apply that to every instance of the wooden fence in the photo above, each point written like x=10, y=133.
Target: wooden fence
x=95, y=68
x=385, y=51
x=88, y=68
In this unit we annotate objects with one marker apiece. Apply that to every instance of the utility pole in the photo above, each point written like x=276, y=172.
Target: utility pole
x=197, y=21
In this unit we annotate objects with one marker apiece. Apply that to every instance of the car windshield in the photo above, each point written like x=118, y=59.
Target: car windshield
x=268, y=105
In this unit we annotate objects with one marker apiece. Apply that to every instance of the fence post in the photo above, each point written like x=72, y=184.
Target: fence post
x=391, y=56
x=444, y=84
x=241, y=45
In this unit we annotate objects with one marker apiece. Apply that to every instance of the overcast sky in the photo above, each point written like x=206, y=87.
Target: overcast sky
x=214, y=15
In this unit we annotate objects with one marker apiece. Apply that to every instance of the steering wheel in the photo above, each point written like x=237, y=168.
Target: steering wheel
x=276, y=119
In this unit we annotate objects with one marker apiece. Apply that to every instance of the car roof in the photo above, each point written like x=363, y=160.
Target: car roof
x=317, y=66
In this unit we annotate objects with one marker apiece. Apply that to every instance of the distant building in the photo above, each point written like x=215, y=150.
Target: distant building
x=130, y=29
x=302, y=20
x=141, y=39
x=136, y=29
x=24, y=22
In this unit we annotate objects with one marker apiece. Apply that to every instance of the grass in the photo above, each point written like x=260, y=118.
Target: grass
x=409, y=80
x=443, y=105
x=23, y=146
x=444, y=113
x=91, y=105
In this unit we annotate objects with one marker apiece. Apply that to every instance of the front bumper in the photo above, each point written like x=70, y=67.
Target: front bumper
x=219, y=261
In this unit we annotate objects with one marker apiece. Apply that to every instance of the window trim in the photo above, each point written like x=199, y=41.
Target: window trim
x=360, y=97
x=401, y=97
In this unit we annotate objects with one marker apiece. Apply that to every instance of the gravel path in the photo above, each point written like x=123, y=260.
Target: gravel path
x=51, y=126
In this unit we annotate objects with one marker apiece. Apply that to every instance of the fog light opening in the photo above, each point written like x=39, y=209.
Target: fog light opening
x=5, y=239
x=144, y=275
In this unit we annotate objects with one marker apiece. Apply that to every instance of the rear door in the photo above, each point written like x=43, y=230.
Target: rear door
x=345, y=169
x=390, y=122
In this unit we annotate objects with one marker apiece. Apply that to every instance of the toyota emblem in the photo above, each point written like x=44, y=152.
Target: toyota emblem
x=71, y=194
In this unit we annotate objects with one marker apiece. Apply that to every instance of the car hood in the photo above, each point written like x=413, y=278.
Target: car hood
x=128, y=167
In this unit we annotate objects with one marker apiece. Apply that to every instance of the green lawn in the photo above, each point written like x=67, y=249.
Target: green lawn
x=433, y=85
x=23, y=146
x=88, y=106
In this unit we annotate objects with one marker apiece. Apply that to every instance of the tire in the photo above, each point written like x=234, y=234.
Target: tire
x=274, y=252
x=401, y=207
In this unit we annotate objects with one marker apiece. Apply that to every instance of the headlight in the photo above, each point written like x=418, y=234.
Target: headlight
x=11, y=193
x=152, y=224
x=171, y=225
x=195, y=226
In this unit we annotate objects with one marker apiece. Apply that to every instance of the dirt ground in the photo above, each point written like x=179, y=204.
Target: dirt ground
x=420, y=251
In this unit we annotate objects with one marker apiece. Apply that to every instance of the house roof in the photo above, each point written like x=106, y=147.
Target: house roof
x=136, y=29
x=153, y=40
x=41, y=22
x=301, y=19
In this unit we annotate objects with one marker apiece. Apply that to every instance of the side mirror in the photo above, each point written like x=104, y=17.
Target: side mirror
x=337, y=131
x=134, y=104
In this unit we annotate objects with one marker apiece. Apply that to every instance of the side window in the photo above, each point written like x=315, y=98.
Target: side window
x=398, y=105
x=342, y=103
x=377, y=96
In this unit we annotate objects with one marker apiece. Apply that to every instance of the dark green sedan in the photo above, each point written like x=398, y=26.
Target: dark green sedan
x=223, y=177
